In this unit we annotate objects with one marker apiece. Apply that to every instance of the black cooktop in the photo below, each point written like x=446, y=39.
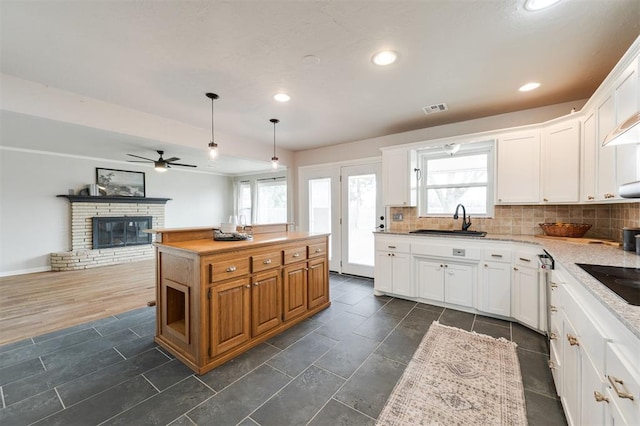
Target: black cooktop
x=625, y=282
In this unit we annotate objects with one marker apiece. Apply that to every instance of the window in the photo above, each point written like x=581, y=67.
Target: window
x=244, y=199
x=464, y=178
x=271, y=201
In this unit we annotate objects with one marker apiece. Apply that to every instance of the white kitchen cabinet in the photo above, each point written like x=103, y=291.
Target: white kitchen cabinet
x=606, y=176
x=399, y=177
x=627, y=103
x=592, y=396
x=445, y=281
x=561, y=162
x=495, y=288
x=526, y=300
x=393, y=267
x=588, y=150
x=571, y=373
x=623, y=382
x=518, y=168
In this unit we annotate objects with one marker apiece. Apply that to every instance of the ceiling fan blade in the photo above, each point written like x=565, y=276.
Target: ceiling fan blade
x=144, y=158
x=172, y=159
x=137, y=161
x=183, y=165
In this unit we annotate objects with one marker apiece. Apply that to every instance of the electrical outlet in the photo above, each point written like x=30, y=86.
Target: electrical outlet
x=398, y=217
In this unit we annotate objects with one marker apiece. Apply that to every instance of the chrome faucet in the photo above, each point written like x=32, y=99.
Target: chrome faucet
x=465, y=224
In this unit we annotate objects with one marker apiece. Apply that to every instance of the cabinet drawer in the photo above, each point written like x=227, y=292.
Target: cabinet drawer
x=623, y=381
x=224, y=267
x=393, y=246
x=590, y=335
x=317, y=250
x=266, y=261
x=497, y=255
x=526, y=259
x=295, y=254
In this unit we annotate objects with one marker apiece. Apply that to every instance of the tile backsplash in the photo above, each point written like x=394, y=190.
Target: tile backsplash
x=607, y=219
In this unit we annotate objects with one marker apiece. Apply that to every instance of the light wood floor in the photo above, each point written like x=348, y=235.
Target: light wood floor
x=34, y=304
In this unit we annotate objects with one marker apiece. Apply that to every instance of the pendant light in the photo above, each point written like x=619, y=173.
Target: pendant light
x=213, y=147
x=274, y=159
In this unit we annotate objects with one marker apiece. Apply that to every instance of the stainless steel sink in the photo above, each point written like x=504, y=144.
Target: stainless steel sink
x=457, y=232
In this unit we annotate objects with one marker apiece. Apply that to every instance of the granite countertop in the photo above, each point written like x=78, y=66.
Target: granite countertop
x=568, y=254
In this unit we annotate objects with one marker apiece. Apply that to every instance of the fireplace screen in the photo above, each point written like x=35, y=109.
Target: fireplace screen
x=121, y=231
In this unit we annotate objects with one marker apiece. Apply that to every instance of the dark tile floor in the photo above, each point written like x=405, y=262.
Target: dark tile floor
x=338, y=367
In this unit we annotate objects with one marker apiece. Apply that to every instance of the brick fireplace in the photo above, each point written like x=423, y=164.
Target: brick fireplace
x=83, y=209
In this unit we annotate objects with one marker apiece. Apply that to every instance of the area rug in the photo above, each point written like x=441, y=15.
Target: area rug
x=458, y=378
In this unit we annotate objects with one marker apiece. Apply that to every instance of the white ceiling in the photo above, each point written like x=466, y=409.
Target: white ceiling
x=161, y=57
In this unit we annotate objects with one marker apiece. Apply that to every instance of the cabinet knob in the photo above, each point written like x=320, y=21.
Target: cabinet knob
x=248, y=286
x=609, y=195
x=553, y=336
x=231, y=269
x=515, y=269
x=621, y=393
x=486, y=266
x=267, y=262
x=553, y=309
x=590, y=197
x=600, y=397
x=296, y=254
x=545, y=199
x=318, y=250
x=256, y=284
x=554, y=285
x=552, y=365
x=573, y=340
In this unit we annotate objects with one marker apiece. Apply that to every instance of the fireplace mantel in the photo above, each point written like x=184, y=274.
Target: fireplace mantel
x=106, y=199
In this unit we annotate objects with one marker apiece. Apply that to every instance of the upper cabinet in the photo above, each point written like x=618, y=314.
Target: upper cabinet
x=561, y=162
x=588, y=158
x=399, y=177
x=518, y=168
x=627, y=103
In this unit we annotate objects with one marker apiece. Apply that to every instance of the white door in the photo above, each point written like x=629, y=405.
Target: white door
x=361, y=215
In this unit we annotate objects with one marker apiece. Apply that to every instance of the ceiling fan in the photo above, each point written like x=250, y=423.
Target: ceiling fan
x=160, y=164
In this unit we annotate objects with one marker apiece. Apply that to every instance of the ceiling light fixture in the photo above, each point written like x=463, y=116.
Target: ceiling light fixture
x=386, y=57
x=282, y=97
x=274, y=159
x=529, y=86
x=160, y=166
x=534, y=5
x=213, y=147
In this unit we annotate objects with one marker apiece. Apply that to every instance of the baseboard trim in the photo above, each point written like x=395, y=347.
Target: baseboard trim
x=25, y=271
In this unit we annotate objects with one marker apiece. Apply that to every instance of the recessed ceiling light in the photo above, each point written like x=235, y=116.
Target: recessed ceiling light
x=533, y=5
x=529, y=86
x=281, y=97
x=386, y=57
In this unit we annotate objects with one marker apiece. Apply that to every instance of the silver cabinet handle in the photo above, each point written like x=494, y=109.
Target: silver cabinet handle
x=318, y=250
x=524, y=259
x=392, y=247
x=231, y=269
x=296, y=254
x=496, y=255
x=267, y=261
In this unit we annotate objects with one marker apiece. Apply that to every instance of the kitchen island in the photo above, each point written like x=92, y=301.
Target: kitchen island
x=217, y=299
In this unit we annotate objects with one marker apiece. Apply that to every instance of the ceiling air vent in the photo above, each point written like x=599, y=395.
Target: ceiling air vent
x=432, y=109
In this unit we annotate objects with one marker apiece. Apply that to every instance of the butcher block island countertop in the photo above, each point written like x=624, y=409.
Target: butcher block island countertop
x=217, y=299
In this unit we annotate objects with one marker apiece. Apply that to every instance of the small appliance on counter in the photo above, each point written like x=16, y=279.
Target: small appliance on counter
x=629, y=239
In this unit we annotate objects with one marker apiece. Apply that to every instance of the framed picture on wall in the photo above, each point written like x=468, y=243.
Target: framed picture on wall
x=121, y=183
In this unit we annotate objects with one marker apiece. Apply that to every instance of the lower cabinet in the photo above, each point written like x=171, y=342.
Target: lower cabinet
x=444, y=281
x=229, y=311
x=525, y=301
x=295, y=290
x=317, y=279
x=266, y=302
x=495, y=288
x=393, y=270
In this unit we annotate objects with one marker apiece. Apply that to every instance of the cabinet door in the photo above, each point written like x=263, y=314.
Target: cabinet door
x=430, y=279
x=383, y=272
x=295, y=290
x=402, y=274
x=561, y=162
x=318, y=282
x=626, y=96
x=458, y=284
x=518, y=169
x=496, y=288
x=399, y=183
x=592, y=393
x=229, y=315
x=588, y=166
x=526, y=296
x=266, y=302
x=571, y=373
x=606, y=182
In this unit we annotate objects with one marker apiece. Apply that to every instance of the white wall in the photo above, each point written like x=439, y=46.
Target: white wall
x=34, y=222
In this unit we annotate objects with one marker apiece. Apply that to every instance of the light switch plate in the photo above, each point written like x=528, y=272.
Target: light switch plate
x=398, y=217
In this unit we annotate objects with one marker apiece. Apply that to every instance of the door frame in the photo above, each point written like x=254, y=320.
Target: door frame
x=333, y=171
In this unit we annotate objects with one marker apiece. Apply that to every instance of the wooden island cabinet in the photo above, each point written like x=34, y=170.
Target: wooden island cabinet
x=217, y=299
